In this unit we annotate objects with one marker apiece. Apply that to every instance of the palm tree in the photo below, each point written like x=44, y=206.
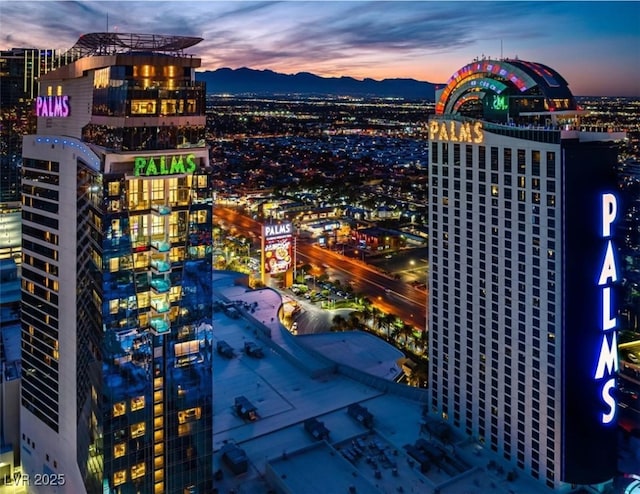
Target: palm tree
x=366, y=314
x=375, y=318
x=354, y=321
x=339, y=323
x=395, y=334
x=387, y=320
x=406, y=330
x=422, y=342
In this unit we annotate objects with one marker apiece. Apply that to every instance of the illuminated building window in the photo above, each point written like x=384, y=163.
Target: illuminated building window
x=119, y=477
x=119, y=409
x=175, y=292
x=168, y=106
x=145, y=70
x=114, y=264
x=143, y=107
x=137, y=403
x=141, y=260
x=189, y=415
x=119, y=450
x=184, y=429
x=143, y=300
x=138, y=429
x=138, y=471
x=143, y=319
x=114, y=188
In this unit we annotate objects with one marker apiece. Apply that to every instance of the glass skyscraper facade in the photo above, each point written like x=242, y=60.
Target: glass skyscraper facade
x=117, y=216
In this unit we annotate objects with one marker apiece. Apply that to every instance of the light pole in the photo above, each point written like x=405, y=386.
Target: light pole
x=295, y=252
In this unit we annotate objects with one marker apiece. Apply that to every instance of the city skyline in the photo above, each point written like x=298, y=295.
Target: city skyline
x=425, y=41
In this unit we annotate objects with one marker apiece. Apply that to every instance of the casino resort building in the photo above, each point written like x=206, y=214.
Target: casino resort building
x=522, y=306
x=116, y=274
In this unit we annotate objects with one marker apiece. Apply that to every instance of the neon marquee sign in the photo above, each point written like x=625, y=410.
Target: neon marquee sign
x=164, y=165
x=52, y=106
x=608, y=353
x=455, y=131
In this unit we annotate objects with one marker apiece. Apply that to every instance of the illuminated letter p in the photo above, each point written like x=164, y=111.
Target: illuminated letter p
x=609, y=211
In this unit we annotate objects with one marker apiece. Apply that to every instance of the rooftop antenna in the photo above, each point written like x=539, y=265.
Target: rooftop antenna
x=501, y=57
x=107, y=21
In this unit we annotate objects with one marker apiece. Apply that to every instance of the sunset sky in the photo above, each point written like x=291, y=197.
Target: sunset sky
x=594, y=45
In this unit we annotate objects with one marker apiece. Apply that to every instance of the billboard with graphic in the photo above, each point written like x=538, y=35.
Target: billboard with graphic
x=277, y=252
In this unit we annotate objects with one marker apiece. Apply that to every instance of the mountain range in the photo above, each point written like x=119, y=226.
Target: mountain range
x=246, y=81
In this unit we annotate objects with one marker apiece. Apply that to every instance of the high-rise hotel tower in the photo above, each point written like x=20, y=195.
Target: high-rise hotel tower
x=116, y=278
x=522, y=313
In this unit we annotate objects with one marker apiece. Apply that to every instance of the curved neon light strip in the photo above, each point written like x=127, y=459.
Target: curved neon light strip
x=79, y=146
x=472, y=83
x=466, y=98
x=489, y=68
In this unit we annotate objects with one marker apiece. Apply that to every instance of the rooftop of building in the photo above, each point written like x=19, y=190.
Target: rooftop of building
x=98, y=50
x=404, y=451
x=504, y=79
x=114, y=42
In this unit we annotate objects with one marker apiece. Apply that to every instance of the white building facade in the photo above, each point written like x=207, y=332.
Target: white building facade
x=518, y=358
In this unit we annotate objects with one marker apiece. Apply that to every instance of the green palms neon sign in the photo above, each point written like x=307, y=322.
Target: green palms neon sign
x=164, y=165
